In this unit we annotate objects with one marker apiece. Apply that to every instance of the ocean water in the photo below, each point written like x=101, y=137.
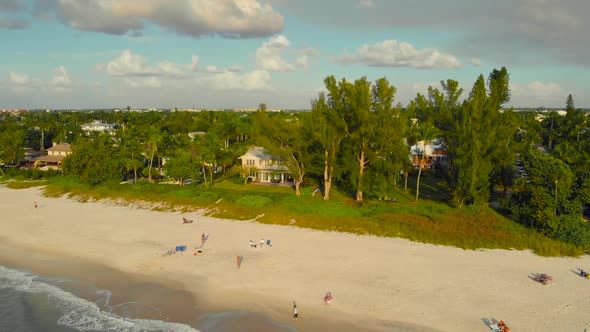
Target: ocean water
x=31, y=303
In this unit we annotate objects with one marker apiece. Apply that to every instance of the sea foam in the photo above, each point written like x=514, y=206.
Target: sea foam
x=79, y=313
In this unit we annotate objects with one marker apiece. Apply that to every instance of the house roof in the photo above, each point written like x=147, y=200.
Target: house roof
x=62, y=147
x=50, y=159
x=259, y=152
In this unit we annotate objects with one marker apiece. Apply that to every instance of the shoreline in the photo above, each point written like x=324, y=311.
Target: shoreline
x=173, y=303
x=378, y=283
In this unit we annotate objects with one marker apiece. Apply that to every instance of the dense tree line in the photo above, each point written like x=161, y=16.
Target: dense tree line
x=357, y=138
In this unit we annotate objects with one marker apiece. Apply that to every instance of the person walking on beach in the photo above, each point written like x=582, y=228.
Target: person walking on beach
x=261, y=242
x=203, y=238
x=295, y=311
x=239, y=261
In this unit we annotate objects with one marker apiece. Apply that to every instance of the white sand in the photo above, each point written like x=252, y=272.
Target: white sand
x=375, y=281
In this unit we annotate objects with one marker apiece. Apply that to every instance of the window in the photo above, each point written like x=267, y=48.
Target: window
x=250, y=162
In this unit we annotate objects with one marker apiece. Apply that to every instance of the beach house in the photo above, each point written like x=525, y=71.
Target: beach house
x=97, y=126
x=434, y=153
x=264, y=167
x=54, y=157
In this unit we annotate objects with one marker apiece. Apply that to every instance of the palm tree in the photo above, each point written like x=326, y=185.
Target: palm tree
x=155, y=138
x=424, y=132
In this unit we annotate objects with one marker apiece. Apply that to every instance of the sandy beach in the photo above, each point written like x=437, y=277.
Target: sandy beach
x=377, y=283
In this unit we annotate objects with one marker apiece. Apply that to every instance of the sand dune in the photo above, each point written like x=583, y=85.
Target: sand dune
x=377, y=283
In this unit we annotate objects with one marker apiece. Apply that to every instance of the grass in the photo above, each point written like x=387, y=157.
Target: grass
x=430, y=220
x=25, y=184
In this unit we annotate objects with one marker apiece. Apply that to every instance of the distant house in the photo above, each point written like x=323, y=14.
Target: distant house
x=434, y=153
x=30, y=154
x=193, y=134
x=264, y=167
x=54, y=157
x=97, y=126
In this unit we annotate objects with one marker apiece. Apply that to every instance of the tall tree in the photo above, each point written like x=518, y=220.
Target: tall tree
x=287, y=139
x=328, y=130
x=473, y=138
x=155, y=138
x=12, y=141
x=182, y=166
x=569, y=103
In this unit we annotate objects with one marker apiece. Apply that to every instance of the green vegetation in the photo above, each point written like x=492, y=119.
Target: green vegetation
x=355, y=146
x=25, y=184
x=430, y=222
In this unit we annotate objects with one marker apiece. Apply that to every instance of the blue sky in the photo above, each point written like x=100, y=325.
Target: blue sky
x=240, y=53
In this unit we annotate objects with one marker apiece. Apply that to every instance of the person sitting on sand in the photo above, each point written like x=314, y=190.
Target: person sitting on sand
x=328, y=298
x=583, y=274
x=252, y=244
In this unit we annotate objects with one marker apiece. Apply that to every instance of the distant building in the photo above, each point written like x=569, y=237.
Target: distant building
x=99, y=127
x=193, y=134
x=31, y=154
x=13, y=112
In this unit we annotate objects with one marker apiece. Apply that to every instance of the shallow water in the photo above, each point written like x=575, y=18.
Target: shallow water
x=33, y=303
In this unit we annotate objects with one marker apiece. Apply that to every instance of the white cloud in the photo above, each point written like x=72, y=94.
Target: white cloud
x=59, y=82
x=366, y=3
x=302, y=61
x=195, y=63
x=212, y=70
x=268, y=56
x=12, y=5
x=61, y=79
x=308, y=51
x=539, y=90
x=18, y=79
x=234, y=68
x=143, y=82
x=13, y=23
x=391, y=53
x=538, y=93
x=230, y=18
x=130, y=64
x=476, y=62
x=254, y=80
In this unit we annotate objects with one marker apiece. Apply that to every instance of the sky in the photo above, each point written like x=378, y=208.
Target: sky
x=80, y=54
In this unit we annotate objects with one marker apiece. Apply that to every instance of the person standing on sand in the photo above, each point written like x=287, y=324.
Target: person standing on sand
x=239, y=261
x=295, y=311
x=261, y=242
x=203, y=238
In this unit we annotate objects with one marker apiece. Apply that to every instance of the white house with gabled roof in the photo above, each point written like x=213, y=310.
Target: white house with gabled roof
x=264, y=167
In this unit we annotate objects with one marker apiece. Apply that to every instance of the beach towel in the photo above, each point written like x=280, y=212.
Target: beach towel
x=180, y=248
